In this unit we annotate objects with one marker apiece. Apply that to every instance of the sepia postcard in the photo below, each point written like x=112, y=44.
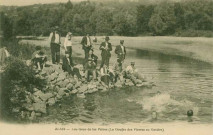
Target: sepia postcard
x=106, y=67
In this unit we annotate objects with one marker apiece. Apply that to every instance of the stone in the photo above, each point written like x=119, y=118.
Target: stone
x=38, y=93
x=69, y=86
x=139, y=85
x=28, y=62
x=74, y=91
x=81, y=95
x=46, y=96
x=32, y=116
x=61, y=77
x=78, y=84
x=82, y=89
x=58, y=97
x=38, y=114
x=35, y=89
x=43, y=73
x=16, y=110
x=61, y=92
x=28, y=107
x=51, y=101
x=40, y=107
x=62, y=84
x=36, y=99
x=138, y=81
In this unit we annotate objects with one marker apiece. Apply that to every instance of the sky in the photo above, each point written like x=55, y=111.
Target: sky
x=30, y=2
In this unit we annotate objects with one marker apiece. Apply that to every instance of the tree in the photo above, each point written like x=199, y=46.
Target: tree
x=163, y=21
x=69, y=5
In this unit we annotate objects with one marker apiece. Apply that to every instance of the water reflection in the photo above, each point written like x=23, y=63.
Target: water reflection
x=181, y=84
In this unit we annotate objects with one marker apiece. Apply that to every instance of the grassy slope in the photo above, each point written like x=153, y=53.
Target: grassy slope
x=196, y=47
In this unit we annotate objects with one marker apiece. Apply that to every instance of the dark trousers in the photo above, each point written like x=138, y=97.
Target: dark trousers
x=76, y=72
x=39, y=61
x=69, y=51
x=105, y=79
x=86, y=52
x=55, y=51
x=105, y=61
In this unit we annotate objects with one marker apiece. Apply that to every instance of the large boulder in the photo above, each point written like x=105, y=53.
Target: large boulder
x=40, y=107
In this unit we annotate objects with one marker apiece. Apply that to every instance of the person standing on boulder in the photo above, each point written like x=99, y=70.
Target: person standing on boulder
x=55, y=42
x=68, y=45
x=86, y=46
x=105, y=48
x=120, y=50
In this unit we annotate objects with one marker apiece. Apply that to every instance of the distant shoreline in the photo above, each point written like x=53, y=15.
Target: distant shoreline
x=196, y=48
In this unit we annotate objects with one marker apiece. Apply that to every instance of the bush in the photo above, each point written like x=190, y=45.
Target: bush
x=16, y=82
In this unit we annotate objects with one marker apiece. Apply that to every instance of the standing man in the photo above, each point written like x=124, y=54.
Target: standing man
x=105, y=48
x=86, y=46
x=120, y=50
x=55, y=42
x=68, y=46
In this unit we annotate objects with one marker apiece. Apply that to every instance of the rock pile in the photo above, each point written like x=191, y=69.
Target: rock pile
x=62, y=84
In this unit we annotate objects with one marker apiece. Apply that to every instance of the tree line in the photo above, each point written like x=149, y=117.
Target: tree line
x=112, y=18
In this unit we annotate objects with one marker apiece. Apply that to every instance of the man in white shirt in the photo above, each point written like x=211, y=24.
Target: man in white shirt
x=68, y=45
x=55, y=45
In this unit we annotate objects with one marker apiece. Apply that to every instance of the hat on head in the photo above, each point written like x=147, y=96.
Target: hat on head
x=121, y=41
x=106, y=38
x=69, y=33
x=132, y=63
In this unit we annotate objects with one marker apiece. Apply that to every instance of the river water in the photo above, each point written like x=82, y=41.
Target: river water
x=181, y=84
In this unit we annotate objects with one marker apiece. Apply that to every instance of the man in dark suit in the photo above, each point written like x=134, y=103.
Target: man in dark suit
x=86, y=46
x=55, y=42
x=105, y=48
x=68, y=66
x=120, y=50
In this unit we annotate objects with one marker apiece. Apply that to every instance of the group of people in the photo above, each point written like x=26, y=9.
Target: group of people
x=92, y=72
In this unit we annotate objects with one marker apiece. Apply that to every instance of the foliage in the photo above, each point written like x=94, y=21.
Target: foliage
x=17, y=81
x=109, y=18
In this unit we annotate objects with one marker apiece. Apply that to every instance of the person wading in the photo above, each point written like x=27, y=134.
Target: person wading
x=55, y=45
x=105, y=48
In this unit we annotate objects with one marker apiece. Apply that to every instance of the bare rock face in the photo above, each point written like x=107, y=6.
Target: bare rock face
x=39, y=107
x=28, y=107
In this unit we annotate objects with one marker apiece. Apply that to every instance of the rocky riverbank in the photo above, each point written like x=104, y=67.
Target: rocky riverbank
x=60, y=84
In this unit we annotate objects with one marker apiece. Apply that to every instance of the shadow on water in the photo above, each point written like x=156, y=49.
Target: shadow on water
x=167, y=58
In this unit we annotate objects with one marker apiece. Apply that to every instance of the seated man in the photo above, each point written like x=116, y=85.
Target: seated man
x=93, y=56
x=132, y=73
x=117, y=69
x=67, y=67
x=105, y=77
x=39, y=59
x=90, y=68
